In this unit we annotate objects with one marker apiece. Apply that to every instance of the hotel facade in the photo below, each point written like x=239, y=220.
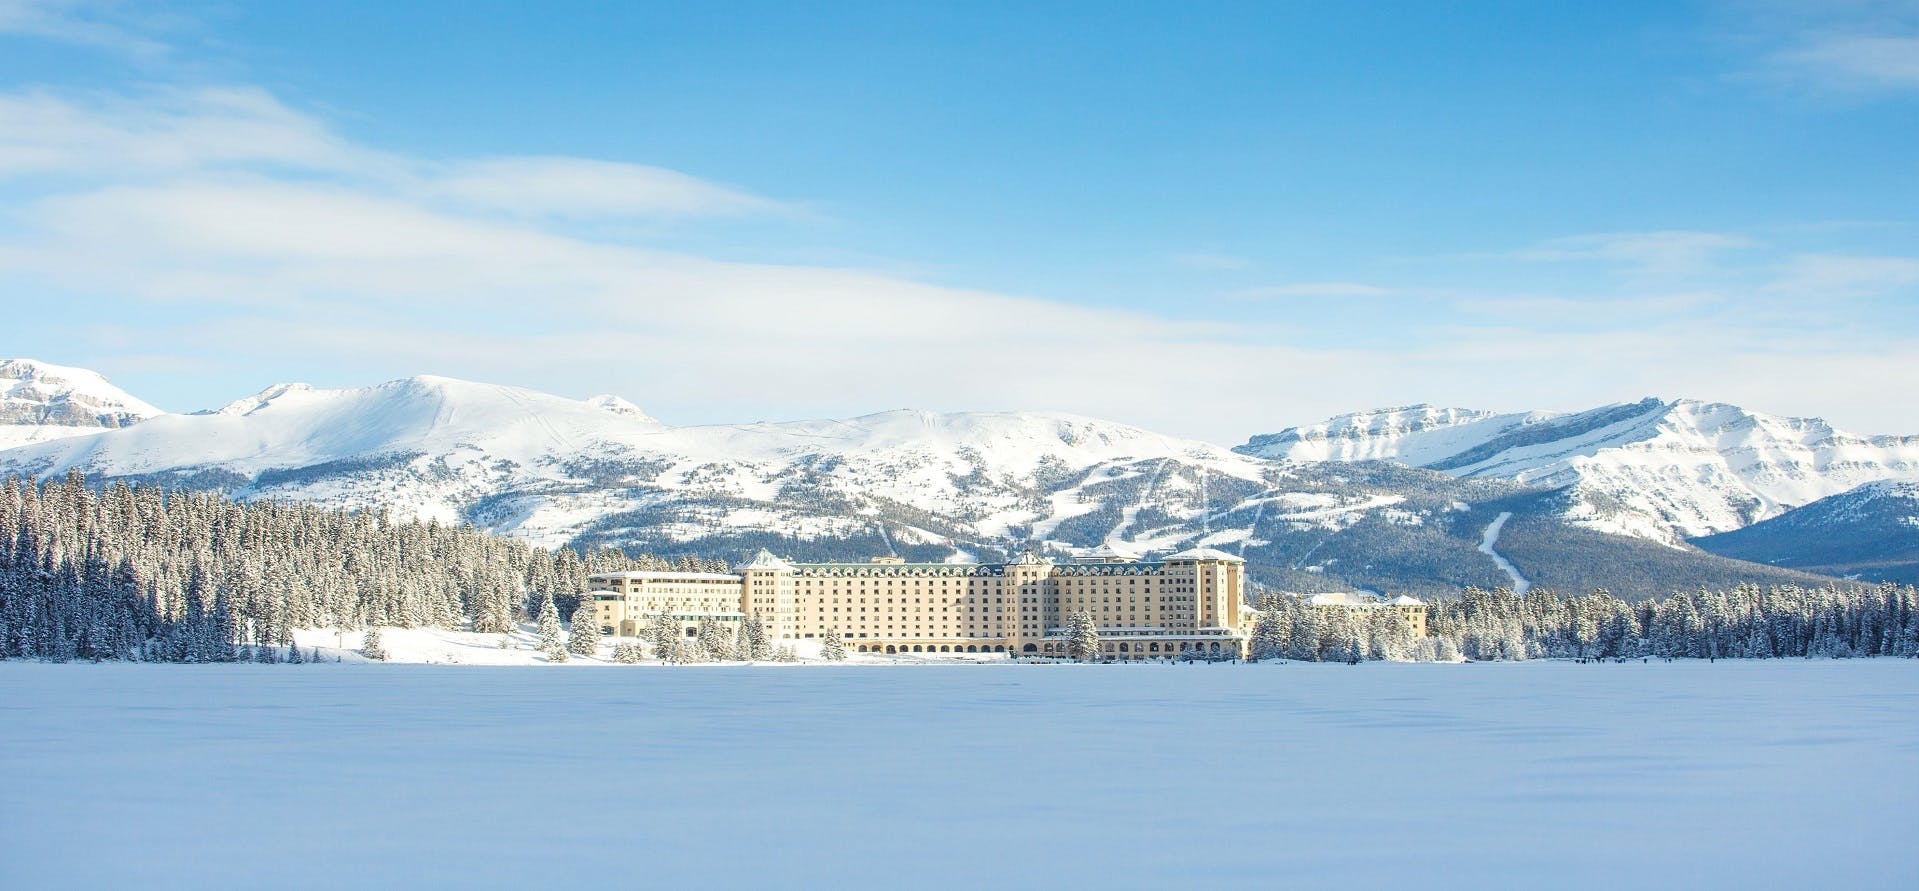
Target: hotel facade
x=1186, y=605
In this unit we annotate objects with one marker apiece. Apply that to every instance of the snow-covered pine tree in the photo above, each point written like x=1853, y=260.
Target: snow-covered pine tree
x=371, y=647
x=833, y=649
x=713, y=640
x=758, y=645
x=1082, y=636
x=627, y=653
x=1269, y=631
x=665, y=635
x=551, y=643
x=583, y=638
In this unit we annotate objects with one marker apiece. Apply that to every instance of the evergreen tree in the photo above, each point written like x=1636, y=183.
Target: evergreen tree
x=1082, y=636
x=583, y=638
x=713, y=640
x=370, y=646
x=833, y=649
x=1269, y=631
x=551, y=642
x=666, y=638
x=141, y=572
x=757, y=644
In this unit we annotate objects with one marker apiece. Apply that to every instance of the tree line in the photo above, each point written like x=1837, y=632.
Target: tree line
x=1745, y=622
x=151, y=573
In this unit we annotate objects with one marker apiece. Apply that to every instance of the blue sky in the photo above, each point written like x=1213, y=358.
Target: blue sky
x=1209, y=219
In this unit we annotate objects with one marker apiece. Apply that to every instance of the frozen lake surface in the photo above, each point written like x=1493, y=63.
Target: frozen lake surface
x=1730, y=775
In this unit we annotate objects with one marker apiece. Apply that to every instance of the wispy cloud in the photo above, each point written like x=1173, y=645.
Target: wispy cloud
x=1667, y=253
x=176, y=132
x=1834, y=46
x=77, y=22
x=579, y=187
x=1314, y=289
x=243, y=234
x=1832, y=275
x=167, y=130
x=1210, y=261
x=1854, y=61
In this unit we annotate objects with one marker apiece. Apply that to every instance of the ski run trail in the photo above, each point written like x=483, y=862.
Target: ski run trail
x=1486, y=542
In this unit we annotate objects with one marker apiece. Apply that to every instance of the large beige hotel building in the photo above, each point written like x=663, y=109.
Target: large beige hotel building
x=1188, y=604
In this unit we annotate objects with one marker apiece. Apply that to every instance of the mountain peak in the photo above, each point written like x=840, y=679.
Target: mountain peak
x=36, y=393
x=262, y=399
x=619, y=406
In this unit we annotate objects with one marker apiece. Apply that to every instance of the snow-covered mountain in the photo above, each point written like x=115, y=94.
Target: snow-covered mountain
x=553, y=469
x=41, y=401
x=959, y=486
x=1869, y=533
x=1662, y=470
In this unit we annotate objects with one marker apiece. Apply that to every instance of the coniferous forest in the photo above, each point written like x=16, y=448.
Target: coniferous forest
x=140, y=572
x=1747, y=622
x=176, y=576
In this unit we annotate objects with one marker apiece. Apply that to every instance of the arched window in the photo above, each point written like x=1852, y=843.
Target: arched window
x=1032, y=648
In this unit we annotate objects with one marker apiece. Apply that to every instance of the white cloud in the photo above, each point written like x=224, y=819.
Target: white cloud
x=77, y=22
x=1315, y=289
x=578, y=187
x=1833, y=46
x=1831, y=275
x=1855, y=61
x=265, y=240
x=1211, y=262
x=1662, y=254
x=228, y=129
x=1608, y=312
x=166, y=130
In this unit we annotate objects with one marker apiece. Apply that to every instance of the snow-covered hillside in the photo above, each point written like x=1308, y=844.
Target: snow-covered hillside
x=1869, y=533
x=552, y=469
x=1655, y=469
x=960, y=486
x=41, y=402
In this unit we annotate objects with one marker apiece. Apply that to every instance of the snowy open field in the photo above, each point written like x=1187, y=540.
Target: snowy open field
x=1784, y=774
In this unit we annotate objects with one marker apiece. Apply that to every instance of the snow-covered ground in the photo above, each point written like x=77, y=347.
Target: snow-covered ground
x=439, y=646
x=1783, y=774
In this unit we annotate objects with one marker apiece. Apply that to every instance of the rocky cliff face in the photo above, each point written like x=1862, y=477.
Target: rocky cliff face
x=40, y=402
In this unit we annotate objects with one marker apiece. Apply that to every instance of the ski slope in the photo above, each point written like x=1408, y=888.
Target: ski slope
x=1775, y=774
x=1490, y=538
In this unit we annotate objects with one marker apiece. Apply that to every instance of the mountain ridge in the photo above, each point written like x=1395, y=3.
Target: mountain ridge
x=936, y=486
x=1870, y=533
x=1666, y=470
